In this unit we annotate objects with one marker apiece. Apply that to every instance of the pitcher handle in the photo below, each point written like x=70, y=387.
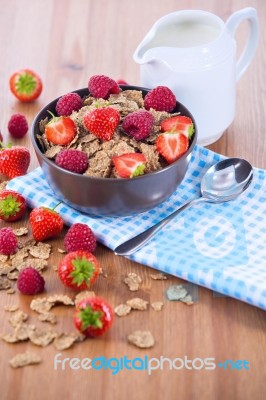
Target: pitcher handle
x=249, y=14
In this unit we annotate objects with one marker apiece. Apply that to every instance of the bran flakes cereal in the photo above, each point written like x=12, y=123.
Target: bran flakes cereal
x=138, y=304
x=48, y=317
x=21, y=231
x=122, y=310
x=133, y=281
x=158, y=277
x=157, y=305
x=24, y=359
x=64, y=341
x=42, y=338
x=83, y=295
x=141, y=339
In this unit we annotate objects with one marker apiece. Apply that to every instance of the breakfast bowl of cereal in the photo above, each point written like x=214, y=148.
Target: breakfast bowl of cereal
x=111, y=150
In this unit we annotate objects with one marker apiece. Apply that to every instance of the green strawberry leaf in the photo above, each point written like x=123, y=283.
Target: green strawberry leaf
x=83, y=270
x=90, y=318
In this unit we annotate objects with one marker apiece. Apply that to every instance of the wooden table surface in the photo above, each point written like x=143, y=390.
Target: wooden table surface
x=67, y=41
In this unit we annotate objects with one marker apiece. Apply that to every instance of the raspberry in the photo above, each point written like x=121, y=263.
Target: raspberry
x=18, y=126
x=8, y=241
x=101, y=86
x=161, y=98
x=73, y=160
x=30, y=281
x=122, y=82
x=68, y=103
x=138, y=124
x=80, y=237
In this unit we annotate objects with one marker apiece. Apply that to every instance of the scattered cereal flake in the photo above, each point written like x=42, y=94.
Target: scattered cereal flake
x=42, y=338
x=23, y=331
x=138, y=304
x=64, y=341
x=157, y=305
x=55, y=267
x=141, y=339
x=60, y=298
x=11, y=308
x=83, y=295
x=158, y=277
x=10, y=338
x=23, y=359
x=29, y=243
x=132, y=280
x=187, y=299
x=176, y=292
x=103, y=273
x=48, y=317
x=11, y=291
x=53, y=151
x=17, y=318
x=62, y=251
x=4, y=284
x=41, y=251
x=18, y=257
x=13, y=275
x=41, y=305
x=37, y=263
x=122, y=310
x=21, y=231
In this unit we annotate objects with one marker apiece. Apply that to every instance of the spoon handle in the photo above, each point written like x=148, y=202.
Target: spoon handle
x=134, y=244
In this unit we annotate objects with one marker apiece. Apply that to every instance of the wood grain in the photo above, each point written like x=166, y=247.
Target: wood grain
x=66, y=42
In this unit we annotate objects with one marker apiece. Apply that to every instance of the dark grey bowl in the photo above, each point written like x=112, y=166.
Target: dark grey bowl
x=111, y=196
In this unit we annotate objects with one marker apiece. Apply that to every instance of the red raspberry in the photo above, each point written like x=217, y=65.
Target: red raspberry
x=101, y=86
x=73, y=160
x=161, y=98
x=30, y=281
x=80, y=237
x=138, y=124
x=8, y=241
x=68, y=103
x=18, y=126
x=121, y=82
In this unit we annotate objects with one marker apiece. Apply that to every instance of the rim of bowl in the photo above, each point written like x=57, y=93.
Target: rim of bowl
x=51, y=105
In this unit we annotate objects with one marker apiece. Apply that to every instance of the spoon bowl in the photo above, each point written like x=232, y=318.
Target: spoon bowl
x=222, y=182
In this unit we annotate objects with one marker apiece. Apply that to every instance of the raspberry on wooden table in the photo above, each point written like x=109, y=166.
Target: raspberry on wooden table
x=30, y=281
x=8, y=241
x=18, y=126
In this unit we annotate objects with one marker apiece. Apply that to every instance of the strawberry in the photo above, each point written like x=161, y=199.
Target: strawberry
x=93, y=316
x=78, y=270
x=172, y=145
x=45, y=223
x=129, y=165
x=14, y=161
x=12, y=205
x=60, y=130
x=180, y=123
x=102, y=122
x=25, y=85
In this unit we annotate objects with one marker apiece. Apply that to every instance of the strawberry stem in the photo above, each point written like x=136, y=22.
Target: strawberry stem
x=83, y=270
x=90, y=318
x=56, y=205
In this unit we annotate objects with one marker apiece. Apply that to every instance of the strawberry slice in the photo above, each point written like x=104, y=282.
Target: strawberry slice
x=180, y=123
x=129, y=165
x=60, y=130
x=172, y=145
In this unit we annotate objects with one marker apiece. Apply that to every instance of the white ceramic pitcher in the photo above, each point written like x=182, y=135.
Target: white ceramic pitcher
x=193, y=52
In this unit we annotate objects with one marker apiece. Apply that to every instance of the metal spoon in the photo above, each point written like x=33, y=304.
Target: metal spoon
x=224, y=181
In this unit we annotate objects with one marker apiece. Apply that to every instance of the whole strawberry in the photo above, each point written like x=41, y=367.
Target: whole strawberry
x=93, y=316
x=161, y=98
x=26, y=85
x=78, y=270
x=14, y=161
x=73, y=160
x=8, y=241
x=12, y=205
x=18, y=126
x=45, y=223
x=102, y=122
x=138, y=124
x=68, y=103
x=30, y=281
x=101, y=86
x=80, y=237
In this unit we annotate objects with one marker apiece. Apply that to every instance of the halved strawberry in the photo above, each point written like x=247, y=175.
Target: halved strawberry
x=129, y=165
x=60, y=130
x=172, y=145
x=26, y=85
x=180, y=123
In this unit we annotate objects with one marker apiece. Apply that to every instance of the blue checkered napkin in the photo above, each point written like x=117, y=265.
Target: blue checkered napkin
x=219, y=246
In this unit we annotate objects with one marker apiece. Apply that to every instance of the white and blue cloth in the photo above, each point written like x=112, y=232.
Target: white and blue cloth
x=219, y=246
